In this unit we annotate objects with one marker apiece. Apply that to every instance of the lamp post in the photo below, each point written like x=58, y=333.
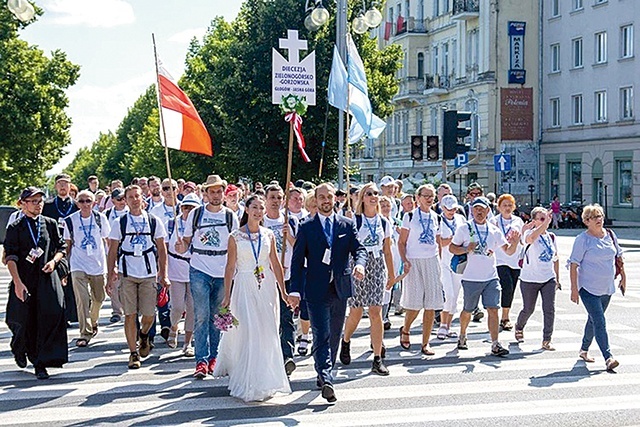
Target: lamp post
x=317, y=16
x=22, y=9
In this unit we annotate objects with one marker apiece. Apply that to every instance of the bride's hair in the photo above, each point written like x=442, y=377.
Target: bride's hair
x=245, y=215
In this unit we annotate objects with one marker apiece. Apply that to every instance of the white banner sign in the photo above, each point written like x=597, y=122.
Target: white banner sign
x=293, y=77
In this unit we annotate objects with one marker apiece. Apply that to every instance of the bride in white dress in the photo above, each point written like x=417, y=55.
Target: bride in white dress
x=250, y=353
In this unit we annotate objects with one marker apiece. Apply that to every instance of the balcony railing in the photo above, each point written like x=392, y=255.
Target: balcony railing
x=465, y=9
x=411, y=86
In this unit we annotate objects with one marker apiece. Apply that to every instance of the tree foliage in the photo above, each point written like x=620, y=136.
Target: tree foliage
x=228, y=78
x=34, y=128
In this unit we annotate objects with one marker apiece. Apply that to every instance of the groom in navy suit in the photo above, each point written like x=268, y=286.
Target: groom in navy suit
x=325, y=243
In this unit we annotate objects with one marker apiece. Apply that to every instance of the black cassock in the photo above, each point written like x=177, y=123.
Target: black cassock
x=38, y=325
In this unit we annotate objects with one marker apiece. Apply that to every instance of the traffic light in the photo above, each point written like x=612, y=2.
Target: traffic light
x=453, y=133
x=416, y=147
x=433, y=148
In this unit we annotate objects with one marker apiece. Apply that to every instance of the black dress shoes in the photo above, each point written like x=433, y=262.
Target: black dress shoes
x=345, y=353
x=41, y=373
x=328, y=393
x=21, y=360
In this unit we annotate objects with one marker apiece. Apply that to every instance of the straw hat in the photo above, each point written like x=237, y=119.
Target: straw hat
x=214, y=181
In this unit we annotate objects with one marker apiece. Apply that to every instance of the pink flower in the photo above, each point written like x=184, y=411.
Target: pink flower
x=224, y=320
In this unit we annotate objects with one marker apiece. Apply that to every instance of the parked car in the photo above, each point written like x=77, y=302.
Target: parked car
x=5, y=212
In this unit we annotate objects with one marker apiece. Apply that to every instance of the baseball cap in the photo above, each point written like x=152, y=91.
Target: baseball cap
x=231, y=189
x=387, y=180
x=190, y=184
x=63, y=177
x=481, y=201
x=30, y=192
x=190, y=200
x=449, y=202
x=117, y=193
x=340, y=192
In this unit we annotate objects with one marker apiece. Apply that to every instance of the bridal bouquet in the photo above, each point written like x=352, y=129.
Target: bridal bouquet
x=224, y=320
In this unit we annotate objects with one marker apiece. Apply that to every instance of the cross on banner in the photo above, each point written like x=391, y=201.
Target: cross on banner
x=293, y=45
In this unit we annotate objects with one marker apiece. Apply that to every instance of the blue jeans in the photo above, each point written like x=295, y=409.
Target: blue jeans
x=596, y=324
x=207, y=293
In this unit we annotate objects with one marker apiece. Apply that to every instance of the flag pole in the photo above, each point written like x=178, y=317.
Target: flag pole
x=348, y=125
x=324, y=140
x=164, y=132
x=287, y=192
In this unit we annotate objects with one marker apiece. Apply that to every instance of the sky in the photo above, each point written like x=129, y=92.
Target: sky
x=111, y=41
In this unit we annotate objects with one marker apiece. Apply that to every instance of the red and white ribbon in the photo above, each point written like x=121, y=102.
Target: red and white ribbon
x=297, y=130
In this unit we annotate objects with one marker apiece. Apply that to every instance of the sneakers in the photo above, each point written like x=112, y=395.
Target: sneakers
x=115, y=318
x=172, y=340
x=498, y=350
x=345, y=352
x=462, y=343
x=478, y=315
x=201, y=371
x=303, y=346
x=289, y=366
x=329, y=393
x=378, y=367
x=145, y=345
x=612, y=364
x=211, y=366
x=188, y=351
x=134, y=360
x=387, y=325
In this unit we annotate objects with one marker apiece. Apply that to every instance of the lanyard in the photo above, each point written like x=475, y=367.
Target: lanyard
x=135, y=224
x=88, y=238
x=62, y=214
x=167, y=212
x=483, y=242
x=256, y=254
x=428, y=227
x=451, y=225
x=373, y=229
x=505, y=231
x=33, y=236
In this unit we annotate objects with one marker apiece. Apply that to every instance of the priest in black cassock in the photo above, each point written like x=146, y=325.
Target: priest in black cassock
x=58, y=208
x=35, y=256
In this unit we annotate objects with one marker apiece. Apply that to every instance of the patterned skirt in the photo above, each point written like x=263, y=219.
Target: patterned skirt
x=422, y=288
x=370, y=291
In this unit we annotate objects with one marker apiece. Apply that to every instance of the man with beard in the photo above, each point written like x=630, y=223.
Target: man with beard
x=154, y=191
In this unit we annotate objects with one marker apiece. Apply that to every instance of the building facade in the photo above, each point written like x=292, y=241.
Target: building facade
x=458, y=54
x=590, y=148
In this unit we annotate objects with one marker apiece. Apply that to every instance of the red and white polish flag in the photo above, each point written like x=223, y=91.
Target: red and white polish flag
x=184, y=129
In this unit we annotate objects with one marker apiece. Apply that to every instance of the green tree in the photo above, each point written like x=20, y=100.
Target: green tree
x=34, y=128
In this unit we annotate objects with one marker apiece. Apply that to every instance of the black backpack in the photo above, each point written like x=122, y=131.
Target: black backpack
x=69, y=223
x=359, y=223
x=122, y=253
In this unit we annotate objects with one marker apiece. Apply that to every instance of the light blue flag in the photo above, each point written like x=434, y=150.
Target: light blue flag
x=337, y=91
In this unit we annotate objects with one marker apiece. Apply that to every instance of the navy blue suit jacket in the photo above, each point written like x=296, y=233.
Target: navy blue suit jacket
x=312, y=282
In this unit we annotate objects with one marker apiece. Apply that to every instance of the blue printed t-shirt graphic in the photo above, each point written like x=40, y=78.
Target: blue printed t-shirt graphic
x=327, y=230
x=481, y=247
x=547, y=254
x=88, y=239
x=426, y=237
x=277, y=233
x=210, y=237
x=138, y=227
x=372, y=226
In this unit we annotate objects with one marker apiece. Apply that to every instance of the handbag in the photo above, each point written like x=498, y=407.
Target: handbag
x=619, y=261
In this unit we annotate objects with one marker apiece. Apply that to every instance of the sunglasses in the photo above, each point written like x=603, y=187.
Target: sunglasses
x=187, y=207
x=118, y=199
x=475, y=194
x=371, y=193
x=168, y=188
x=85, y=201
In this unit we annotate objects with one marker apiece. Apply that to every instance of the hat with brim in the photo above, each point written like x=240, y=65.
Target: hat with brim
x=481, y=201
x=449, y=202
x=190, y=184
x=190, y=200
x=63, y=177
x=117, y=193
x=340, y=192
x=387, y=180
x=214, y=181
x=30, y=192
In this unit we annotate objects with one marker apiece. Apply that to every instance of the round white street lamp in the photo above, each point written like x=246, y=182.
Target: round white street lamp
x=22, y=9
x=373, y=17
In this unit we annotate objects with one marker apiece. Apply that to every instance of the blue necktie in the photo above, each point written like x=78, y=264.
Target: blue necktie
x=327, y=230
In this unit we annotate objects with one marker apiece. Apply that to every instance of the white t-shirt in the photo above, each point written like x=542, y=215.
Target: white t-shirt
x=178, y=269
x=447, y=230
x=136, y=265
x=275, y=225
x=506, y=226
x=300, y=215
x=152, y=203
x=372, y=233
x=164, y=212
x=114, y=214
x=481, y=265
x=212, y=234
x=88, y=250
x=537, y=265
x=423, y=228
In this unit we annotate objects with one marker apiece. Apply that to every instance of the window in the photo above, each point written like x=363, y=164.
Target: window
x=436, y=61
x=447, y=7
x=575, y=181
x=555, y=58
x=436, y=8
x=553, y=175
x=418, y=122
x=577, y=4
x=555, y=112
x=626, y=41
x=624, y=174
x=397, y=136
x=406, y=127
x=445, y=60
x=421, y=65
x=601, y=47
x=577, y=52
x=601, y=106
x=555, y=8
x=576, y=109
x=626, y=103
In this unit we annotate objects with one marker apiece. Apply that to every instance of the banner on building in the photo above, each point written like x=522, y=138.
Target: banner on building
x=517, y=73
x=516, y=111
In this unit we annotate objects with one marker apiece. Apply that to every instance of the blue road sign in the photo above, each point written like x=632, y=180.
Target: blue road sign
x=461, y=160
x=502, y=162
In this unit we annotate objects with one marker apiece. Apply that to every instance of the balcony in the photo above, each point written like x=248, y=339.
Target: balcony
x=436, y=85
x=464, y=10
x=410, y=88
x=403, y=25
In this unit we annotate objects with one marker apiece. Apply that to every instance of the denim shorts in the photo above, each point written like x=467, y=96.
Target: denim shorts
x=489, y=290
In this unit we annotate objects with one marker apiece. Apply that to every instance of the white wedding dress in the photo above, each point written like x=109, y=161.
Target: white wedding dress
x=250, y=353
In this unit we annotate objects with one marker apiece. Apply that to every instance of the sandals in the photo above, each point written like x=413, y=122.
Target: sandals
x=519, y=335
x=442, y=333
x=585, y=356
x=82, y=342
x=612, y=364
x=506, y=325
x=546, y=345
x=172, y=340
x=404, y=344
x=426, y=350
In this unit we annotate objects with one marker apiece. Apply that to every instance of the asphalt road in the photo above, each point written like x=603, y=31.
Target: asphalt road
x=472, y=388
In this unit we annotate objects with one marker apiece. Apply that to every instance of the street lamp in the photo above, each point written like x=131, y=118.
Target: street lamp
x=316, y=17
x=22, y=9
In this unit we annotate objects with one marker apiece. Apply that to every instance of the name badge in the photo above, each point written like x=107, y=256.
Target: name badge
x=90, y=250
x=61, y=222
x=326, y=259
x=34, y=254
x=137, y=250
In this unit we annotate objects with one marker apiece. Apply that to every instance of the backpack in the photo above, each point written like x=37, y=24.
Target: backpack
x=122, y=253
x=69, y=224
x=359, y=223
x=197, y=218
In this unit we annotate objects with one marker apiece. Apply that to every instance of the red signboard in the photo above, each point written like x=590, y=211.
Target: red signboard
x=516, y=110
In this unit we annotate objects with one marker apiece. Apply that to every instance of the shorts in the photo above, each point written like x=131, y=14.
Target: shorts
x=138, y=296
x=489, y=290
